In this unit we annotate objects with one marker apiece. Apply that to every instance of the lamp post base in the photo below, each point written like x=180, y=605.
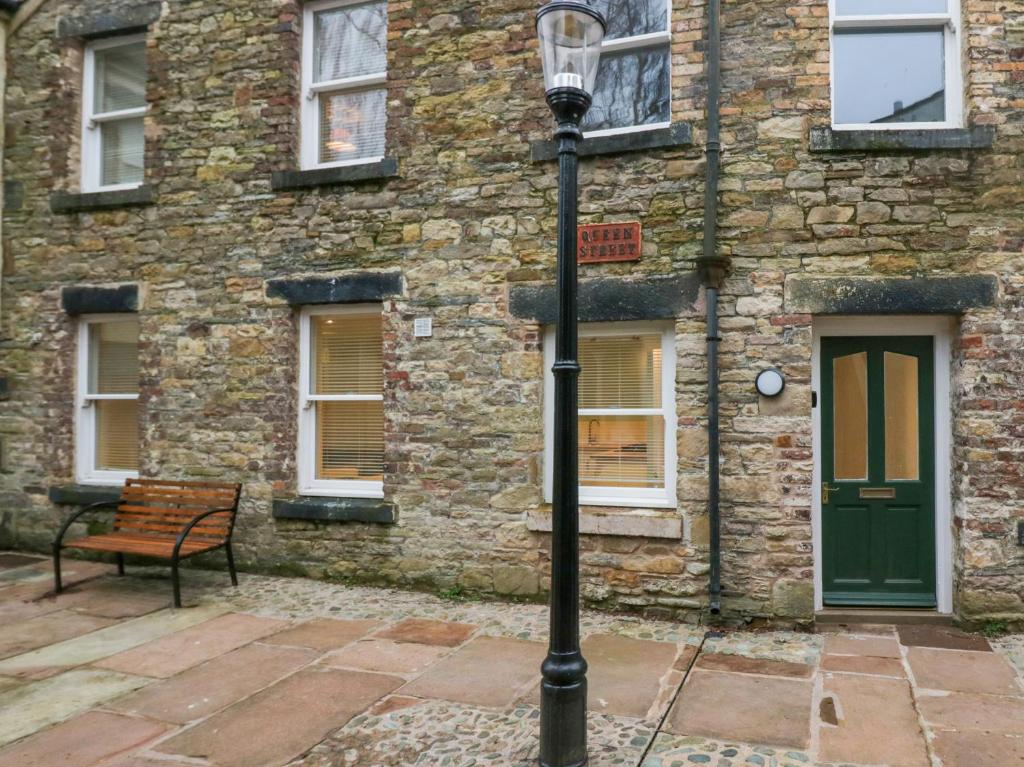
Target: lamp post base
x=563, y=725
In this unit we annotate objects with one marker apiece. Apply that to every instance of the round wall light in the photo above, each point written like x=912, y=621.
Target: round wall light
x=770, y=383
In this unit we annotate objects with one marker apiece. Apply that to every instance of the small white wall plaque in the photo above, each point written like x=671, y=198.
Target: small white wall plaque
x=423, y=327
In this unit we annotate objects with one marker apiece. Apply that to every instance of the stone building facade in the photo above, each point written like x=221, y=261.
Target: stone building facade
x=858, y=233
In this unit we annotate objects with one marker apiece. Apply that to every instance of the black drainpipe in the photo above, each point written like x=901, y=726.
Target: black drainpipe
x=713, y=269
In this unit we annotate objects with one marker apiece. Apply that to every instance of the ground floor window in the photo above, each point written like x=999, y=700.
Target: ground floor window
x=341, y=402
x=107, y=436
x=627, y=414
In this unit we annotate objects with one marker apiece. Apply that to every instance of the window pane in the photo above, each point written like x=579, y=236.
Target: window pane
x=622, y=451
x=620, y=371
x=888, y=7
x=352, y=125
x=350, y=440
x=350, y=41
x=120, y=78
x=887, y=77
x=627, y=18
x=901, y=433
x=632, y=89
x=117, y=434
x=347, y=354
x=850, y=390
x=114, y=358
x=122, y=146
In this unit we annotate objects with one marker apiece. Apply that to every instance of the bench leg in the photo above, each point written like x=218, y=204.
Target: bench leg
x=231, y=564
x=57, y=585
x=175, y=583
x=120, y=564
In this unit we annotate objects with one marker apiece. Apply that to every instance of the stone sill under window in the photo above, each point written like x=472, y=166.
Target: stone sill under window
x=675, y=135
x=283, y=180
x=825, y=139
x=325, y=509
x=83, y=495
x=83, y=202
x=600, y=520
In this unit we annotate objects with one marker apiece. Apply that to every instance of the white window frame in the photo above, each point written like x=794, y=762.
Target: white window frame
x=86, y=472
x=308, y=483
x=309, y=149
x=953, y=63
x=637, y=42
x=92, y=143
x=640, y=497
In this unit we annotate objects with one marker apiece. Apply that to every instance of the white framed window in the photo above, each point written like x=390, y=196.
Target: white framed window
x=107, y=399
x=113, y=109
x=627, y=414
x=634, y=78
x=341, y=402
x=344, y=73
x=895, y=64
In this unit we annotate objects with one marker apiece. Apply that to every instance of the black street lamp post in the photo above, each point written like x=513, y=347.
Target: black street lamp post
x=570, y=35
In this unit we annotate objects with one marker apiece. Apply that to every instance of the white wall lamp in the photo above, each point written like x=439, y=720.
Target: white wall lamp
x=770, y=382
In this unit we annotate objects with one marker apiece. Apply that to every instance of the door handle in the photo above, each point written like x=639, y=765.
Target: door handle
x=825, y=490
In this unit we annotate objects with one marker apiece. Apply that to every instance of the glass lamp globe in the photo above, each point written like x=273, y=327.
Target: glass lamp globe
x=570, y=35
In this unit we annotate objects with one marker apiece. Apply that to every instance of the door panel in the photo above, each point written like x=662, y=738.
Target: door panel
x=878, y=483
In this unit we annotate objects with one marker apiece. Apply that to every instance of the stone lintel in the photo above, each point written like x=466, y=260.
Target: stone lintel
x=323, y=509
x=109, y=21
x=611, y=299
x=282, y=180
x=82, y=202
x=824, y=139
x=83, y=495
x=636, y=523
x=344, y=289
x=92, y=299
x=897, y=295
x=676, y=135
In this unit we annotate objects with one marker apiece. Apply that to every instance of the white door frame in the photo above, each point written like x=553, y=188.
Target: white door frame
x=941, y=328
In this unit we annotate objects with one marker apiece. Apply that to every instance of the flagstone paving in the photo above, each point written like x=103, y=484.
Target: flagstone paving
x=309, y=674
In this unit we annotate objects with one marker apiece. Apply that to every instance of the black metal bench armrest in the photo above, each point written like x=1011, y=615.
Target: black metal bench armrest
x=84, y=510
x=197, y=519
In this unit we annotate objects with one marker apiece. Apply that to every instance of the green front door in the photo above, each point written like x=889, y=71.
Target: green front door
x=878, y=471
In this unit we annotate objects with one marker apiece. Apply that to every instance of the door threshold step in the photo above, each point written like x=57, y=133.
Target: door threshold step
x=885, y=615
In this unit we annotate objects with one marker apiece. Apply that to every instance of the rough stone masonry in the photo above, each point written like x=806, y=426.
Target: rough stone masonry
x=467, y=219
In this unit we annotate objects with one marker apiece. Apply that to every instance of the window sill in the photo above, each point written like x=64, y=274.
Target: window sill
x=82, y=495
x=82, y=202
x=599, y=520
x=324, y=509
x=676, y=135
x=283, y=180
x=825, y=139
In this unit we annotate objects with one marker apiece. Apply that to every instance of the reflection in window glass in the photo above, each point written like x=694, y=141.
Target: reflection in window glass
x=850, y=392
x=350, y=41
x=889, y=77
x=632, y=89
x=888, y=7
x=628, y=18
x=622, y=451
x=352, y=124
x=901, y=416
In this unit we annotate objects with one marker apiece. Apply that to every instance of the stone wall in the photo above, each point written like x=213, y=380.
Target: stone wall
x=468, y=217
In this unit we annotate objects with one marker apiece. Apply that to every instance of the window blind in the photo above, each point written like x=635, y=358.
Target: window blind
x=620, y=372
x=352, y=124
x=117, y=434
x=122, y=147
x=120, y=78
x=350, y=41
x=350, y=440
x=348, y=354
x=114, y=357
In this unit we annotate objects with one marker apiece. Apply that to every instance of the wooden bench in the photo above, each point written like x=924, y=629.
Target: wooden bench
x=165, y=519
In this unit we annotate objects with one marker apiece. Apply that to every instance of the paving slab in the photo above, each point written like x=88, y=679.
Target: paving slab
x=173, y=653
x=31, y=707
x=864, y=664
x=943, y=637
x=324, y=633
x=21, y=636
x=978, y=749
x=425, y=631
x=283, y=720
x=625, y=676
x=963, y=671
x=8, y=561
x=744, y=707
x=218, y=683
x=107, y=641
x=877, y=723
x=109, y=599
x=488, y=671
x=744, y=665
x=388, y=656
x=971, y=711
x=83, y=741
x=875, y=646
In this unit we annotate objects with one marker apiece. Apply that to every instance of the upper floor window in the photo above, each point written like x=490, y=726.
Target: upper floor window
x=634, y=78
x=896, y=64
x=113, y=106
x=107, y=434
x=344, y=72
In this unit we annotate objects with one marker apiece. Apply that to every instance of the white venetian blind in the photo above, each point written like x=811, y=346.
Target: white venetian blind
x=117, y=435
x=350, y=41
x=114, y=358
x=348, y=355
x=120, y=84
x=620, y=372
